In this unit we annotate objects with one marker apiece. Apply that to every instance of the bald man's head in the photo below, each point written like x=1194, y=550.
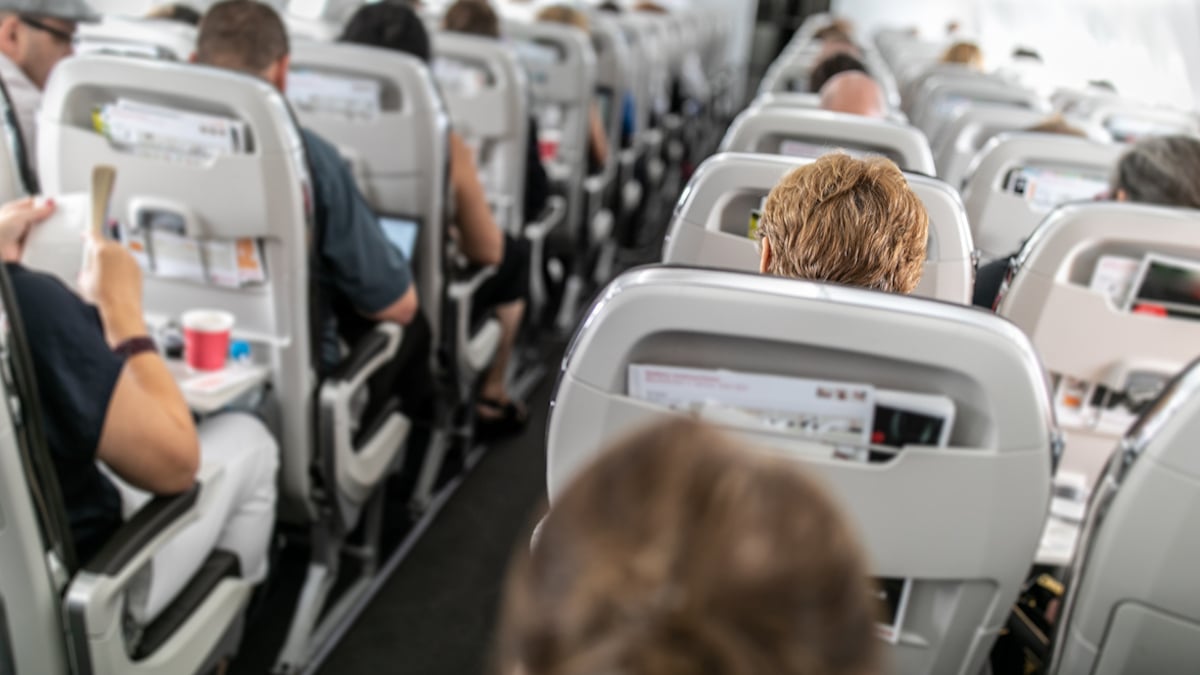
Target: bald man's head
x=855, y=93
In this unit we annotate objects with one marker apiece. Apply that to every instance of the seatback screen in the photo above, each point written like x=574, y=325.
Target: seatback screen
x=1045, y=188
x=401, y=232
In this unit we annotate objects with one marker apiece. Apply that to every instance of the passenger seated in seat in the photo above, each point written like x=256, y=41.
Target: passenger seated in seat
x=34, y=37
x=117, y=426
x=854, y=93
x=175, y=12
x=397, y=27
x=845, y=220
x=597, y=136
x=363, y=278
x=831, y=66
x=964, y=53
x=474, y=17
x=1159, y=170
x=682, y=552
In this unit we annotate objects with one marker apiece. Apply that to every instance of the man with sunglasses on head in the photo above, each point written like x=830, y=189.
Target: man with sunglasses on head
x=34, y=36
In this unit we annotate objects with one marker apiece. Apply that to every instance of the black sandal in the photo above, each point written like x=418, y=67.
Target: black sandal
x=510, y=420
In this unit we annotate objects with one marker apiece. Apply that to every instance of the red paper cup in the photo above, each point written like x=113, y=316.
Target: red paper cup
x=548, y=142
x=206, y=338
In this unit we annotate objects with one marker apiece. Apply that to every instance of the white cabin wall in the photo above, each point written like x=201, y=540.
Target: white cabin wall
x=1150, y=49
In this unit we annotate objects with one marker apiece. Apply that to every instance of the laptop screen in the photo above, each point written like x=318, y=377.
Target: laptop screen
x=401, y=231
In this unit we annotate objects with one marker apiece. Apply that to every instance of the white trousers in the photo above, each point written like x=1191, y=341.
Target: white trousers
x=238, y=462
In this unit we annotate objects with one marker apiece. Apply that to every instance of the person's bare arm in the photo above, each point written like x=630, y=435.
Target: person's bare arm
x=148, y=437
x=480, y=238
x=597, y=137
x=401, y=311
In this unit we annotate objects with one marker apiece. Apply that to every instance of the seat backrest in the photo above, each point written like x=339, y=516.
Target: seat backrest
x=940, y=98
x=964, y=135
x=614, y=77
x=1131, y=604
x=710, y=226
x=148, y=38
x=396, y=143
x=1063, y=295
x=31, y=627
x=810, y=132
x=1017, y=178
x=966, y=561
x=1128, y=121
x=807, y=101
x=790, y=72
x=561, y=65
x=487, y=96
x=185, y=193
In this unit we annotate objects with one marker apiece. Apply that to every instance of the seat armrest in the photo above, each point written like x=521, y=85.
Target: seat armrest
x=597, y=184
x=356, y=462
x=462, y=289
x=551, y=217
x=365, y=354
x=139, y=532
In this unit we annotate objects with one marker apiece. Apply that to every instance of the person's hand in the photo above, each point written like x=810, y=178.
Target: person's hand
x=17, y=218
x=112, y=280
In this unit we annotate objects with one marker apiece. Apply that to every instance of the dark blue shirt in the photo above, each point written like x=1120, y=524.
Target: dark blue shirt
x=359, y=269
x=76, y=373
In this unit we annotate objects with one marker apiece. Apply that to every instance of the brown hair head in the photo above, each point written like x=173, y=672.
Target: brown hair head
x=1057, y=124
x=681, y=552
x=475, y=17
x=849, y=221
x=966, y=53
x=565, y=14
x=242, y=35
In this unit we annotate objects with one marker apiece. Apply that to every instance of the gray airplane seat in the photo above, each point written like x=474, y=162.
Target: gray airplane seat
x=184, y=139
x=146, y=38
x=61, y=615
x=1131, y=604
x=486, y=94
x=811, y=133
x=393, y=132
x=710, y=227
x=939, y=99
x=937, y=516
x=561, y=64
x=320, y=20
x=1018, y=178
x=614, y=78
x=1106, y=291
x=791, y=72
x=1127, y=121
x=972, y=127
x=807, y=101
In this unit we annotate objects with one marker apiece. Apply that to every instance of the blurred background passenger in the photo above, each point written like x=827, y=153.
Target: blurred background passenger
x=175, y=12
x=476, y=17
x=848, y=221
x=854, y=93
x=1057, y=124
x=389, y=25
x=682, y=552
x=597, y=136
x=965, y=53
x=831, y=66
x=34, y=36
x=1160, y=170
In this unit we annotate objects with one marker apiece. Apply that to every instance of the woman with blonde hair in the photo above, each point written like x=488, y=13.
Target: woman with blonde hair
x=682, y=552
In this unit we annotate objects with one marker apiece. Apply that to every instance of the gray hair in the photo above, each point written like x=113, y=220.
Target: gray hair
x=1162, y=170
